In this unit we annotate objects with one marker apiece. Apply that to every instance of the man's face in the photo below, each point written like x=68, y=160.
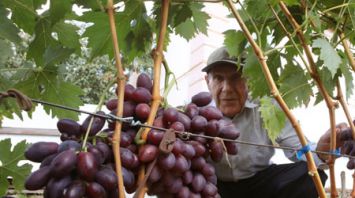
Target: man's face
x=228, y=88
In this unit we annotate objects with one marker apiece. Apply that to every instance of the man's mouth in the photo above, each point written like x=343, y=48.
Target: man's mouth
x=228, y=99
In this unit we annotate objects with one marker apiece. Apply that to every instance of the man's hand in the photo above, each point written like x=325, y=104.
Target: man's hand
x=324, y=142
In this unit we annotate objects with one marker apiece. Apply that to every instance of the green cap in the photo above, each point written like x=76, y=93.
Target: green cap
x=220, y=56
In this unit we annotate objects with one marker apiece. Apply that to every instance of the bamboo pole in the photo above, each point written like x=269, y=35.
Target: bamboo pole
x=274, y=91
x=121, y=84
x=327, y=98
x=156, y=99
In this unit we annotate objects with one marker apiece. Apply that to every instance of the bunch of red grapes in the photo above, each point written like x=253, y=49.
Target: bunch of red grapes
x=73, y=169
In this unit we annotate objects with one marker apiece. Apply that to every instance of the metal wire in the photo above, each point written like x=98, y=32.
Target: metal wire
x=182, y=134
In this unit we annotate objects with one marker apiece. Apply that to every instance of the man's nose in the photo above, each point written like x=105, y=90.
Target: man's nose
x=227, y=85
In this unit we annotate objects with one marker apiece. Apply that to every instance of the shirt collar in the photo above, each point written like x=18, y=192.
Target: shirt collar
x=249, y=103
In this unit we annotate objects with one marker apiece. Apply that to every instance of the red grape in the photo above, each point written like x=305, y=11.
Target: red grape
x=128, y=92
x=142, y=111
x=63, y=163
x=144, y=80
x=38, y=179
x=95, y=190
x=147, y=153
x=69, y=127
x=142, y=95
x=202, y=99
x=40, y=150
x=87, y=166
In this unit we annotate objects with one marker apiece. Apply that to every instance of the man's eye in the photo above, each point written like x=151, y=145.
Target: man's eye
x=218, y=78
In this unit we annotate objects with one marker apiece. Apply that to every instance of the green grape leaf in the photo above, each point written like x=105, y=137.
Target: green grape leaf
x=182, y=14
x=197, y=22
x=234, y=41
x=347, y=74
x=9, y=164
x=199, y=17
x=274, y=63
x=99, y=35
x=5, y=51
x=257, y=9
x=55, y=55
x=67, y=35
x=8, y=106
x=294, y=86
x=315, y=18
x=23, y=13
x=256, y=81
x=42, y=40
x=287, y=2
x=140, y=37
x=291, y=2
x=95, y=5
x=133, y=31
x=58, y=9
x=44, y=84
x=351, y=10
x=327, y=80
x=186, y=29
x=7, y=29
x=274, y=119
x=328, y=55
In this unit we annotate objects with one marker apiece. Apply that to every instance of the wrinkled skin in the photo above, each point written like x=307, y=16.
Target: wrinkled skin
x=228, y=88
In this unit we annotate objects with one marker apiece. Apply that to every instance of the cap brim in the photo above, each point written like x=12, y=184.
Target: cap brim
x=210, y=66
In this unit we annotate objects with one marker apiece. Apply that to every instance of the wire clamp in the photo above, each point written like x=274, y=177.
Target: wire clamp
x=336, y=152
x=303, y=151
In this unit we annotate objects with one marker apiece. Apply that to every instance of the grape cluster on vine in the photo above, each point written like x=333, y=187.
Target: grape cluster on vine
x=80, y=168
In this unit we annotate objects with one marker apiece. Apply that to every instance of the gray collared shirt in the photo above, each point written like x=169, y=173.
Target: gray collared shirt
x=251, y=159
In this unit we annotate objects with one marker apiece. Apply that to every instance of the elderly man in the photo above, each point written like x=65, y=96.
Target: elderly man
x=251, y=173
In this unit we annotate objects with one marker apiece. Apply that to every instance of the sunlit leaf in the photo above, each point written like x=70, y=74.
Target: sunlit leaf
x=328, y=55
x=274, y=118
x=348, y=76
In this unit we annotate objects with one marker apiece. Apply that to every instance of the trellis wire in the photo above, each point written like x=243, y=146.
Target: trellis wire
x=182, y=134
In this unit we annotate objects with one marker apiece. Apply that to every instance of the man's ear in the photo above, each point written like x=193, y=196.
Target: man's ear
x=207, y=79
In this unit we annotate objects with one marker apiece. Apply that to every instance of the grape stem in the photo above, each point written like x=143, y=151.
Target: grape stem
x=279, y=99
x=168, y=85
x=330, y=104
x=340, y=97
x=342, y=101
x=156, y=98
x=98, y=108
x=120, y=96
